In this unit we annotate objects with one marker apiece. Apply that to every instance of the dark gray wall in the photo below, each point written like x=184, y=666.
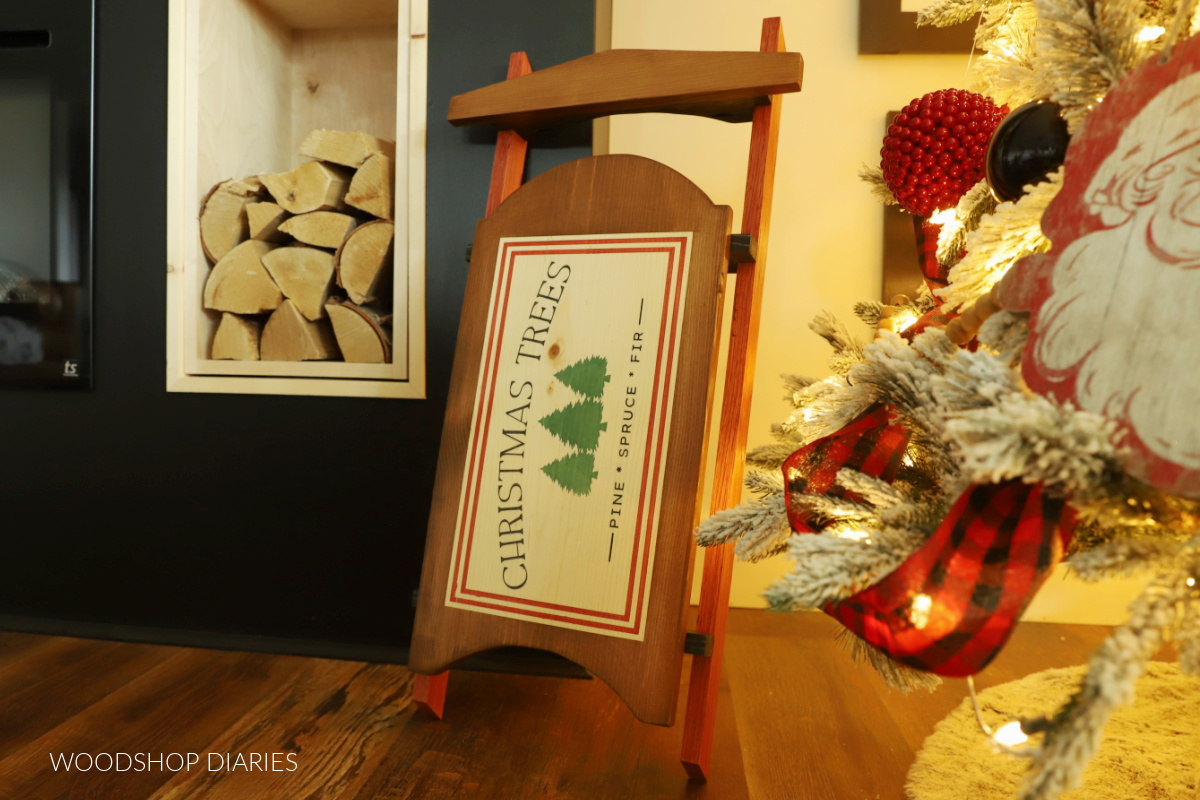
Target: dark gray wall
x=222, y=519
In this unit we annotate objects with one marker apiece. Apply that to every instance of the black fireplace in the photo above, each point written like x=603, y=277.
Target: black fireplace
x=46, y=122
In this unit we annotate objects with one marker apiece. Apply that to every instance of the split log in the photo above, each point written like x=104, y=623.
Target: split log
x=240, y=284
x=320, y=228
x=372, y=187
x=349, y=148
x=288, y=336
x=361, y=334
x=364, y=261
x=223, y=223
x=265, y=218
x=312, y=186
x=237, y=338
x=305, y=275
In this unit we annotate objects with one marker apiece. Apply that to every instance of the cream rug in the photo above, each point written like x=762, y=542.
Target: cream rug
x=1150, y=751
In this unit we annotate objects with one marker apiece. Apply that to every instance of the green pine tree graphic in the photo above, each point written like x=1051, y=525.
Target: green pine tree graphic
x=574, y=472
x=587, y=377
x=577, y=424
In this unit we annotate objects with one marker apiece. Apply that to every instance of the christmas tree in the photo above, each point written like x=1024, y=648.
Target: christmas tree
x=574, y=473
x=587, y=377
x=577, y=424
x=1028, y=404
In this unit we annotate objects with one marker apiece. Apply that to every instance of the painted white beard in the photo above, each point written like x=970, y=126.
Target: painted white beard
x=1127, y=321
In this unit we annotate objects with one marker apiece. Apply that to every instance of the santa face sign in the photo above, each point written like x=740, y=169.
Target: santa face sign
x=1115, y=300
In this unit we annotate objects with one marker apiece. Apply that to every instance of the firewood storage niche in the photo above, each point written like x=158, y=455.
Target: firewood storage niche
x=249, y=81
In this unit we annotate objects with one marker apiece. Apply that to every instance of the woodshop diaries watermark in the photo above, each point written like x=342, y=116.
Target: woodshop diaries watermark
x=174, y=762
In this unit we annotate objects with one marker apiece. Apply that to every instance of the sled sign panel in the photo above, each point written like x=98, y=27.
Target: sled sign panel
x=571, y=464
x=557, y=517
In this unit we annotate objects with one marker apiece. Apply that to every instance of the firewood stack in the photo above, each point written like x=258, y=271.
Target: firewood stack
x=302, y=260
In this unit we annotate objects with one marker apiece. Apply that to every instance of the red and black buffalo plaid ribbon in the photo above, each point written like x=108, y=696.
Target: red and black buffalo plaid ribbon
x=936, y=276
x=873, y=444
x=951, y=606
x=937, y=317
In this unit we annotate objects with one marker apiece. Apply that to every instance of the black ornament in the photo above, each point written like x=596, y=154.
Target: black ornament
x=1029, y=144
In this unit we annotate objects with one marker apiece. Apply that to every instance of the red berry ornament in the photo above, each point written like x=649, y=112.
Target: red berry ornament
x=935, y=148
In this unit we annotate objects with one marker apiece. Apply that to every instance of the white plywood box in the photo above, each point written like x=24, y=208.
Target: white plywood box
x=249, y=79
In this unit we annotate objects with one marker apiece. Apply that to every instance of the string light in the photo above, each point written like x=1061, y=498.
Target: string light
x=843, y=512
x=1011, y=735
x=1008, y=736
x=903, y=321
x=1150, y=33
x=943, y=217
x=850, y=533
x=918, y=612
x=1191, y=581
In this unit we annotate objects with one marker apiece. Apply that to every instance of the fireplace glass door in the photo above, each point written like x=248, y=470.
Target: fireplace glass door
x=46, y=173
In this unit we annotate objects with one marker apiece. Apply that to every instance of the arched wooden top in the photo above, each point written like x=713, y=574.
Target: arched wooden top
x=591, y=197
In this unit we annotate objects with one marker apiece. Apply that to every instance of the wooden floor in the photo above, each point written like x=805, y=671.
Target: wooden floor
x=796, y=720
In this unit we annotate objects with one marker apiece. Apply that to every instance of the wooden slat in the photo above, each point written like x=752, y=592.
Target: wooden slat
x=508, y=165
x=508, y=170
x=310, y=14
x=643, y=673
x=735, y=422
x=726, y=86
x=429, y=693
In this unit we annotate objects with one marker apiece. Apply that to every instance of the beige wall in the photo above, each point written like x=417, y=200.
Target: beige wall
x=825, y=247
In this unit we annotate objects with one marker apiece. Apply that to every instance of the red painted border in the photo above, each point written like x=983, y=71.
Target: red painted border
x=542, y=248
x=459, y=592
